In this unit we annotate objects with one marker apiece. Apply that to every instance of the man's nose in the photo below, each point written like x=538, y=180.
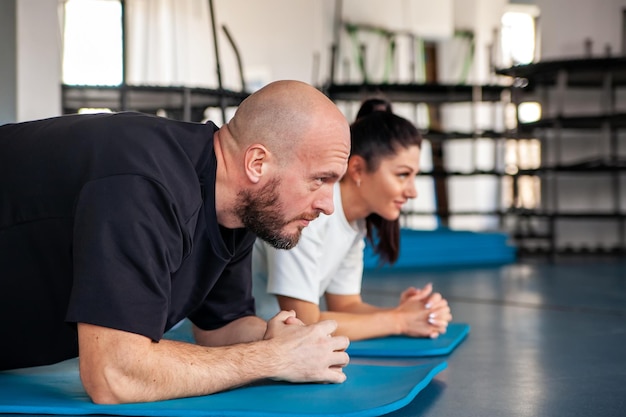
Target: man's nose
x=324, y=202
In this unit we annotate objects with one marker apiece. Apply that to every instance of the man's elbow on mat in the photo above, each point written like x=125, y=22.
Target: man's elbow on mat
x=103, y=386
x=110, y=364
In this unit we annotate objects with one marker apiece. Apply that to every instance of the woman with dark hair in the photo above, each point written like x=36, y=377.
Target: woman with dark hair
x=328, y=260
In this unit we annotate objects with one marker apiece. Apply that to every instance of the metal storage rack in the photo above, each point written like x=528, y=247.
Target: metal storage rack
x=178, y=102
x=553, y=84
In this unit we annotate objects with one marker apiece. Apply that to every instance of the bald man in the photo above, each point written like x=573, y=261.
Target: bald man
x=114, y=227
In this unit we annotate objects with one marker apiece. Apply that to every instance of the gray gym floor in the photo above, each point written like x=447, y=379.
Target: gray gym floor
x=546, y=339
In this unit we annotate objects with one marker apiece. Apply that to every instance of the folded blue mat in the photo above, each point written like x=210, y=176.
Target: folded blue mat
x=369, y=391
x=444, y=247
x=403, y=346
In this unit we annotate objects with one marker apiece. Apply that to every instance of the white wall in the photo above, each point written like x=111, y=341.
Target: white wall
x=278, y=39
x=566, y=24
x=38, y=59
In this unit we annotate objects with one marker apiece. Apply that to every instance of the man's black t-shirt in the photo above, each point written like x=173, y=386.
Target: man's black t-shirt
x=110, y=220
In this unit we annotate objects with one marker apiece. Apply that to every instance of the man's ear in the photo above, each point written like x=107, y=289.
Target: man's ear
x=256, y=159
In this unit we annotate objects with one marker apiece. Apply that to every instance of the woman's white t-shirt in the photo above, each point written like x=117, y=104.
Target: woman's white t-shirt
x=328, y=258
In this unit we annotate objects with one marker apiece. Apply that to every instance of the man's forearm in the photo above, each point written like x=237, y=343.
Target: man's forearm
x=120, y=367
x=245, y=329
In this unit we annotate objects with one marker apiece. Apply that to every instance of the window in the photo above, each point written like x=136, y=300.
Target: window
x=92, y=42
x=517, y=35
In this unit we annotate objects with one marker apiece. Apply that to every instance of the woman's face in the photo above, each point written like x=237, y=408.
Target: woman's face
x=392, y=184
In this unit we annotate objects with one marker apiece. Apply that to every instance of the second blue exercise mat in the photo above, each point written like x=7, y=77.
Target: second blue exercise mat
x=403, y=346
x=393, y=346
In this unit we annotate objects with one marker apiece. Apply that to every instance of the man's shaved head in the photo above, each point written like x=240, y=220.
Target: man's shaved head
x=281, y=115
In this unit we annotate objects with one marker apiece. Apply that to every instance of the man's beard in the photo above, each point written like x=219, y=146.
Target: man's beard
x=261, y=213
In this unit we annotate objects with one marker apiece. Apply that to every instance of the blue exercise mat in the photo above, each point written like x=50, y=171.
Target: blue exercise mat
x=444, y=247
x=369, y=391
x=392, y=346
x=403, y=346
